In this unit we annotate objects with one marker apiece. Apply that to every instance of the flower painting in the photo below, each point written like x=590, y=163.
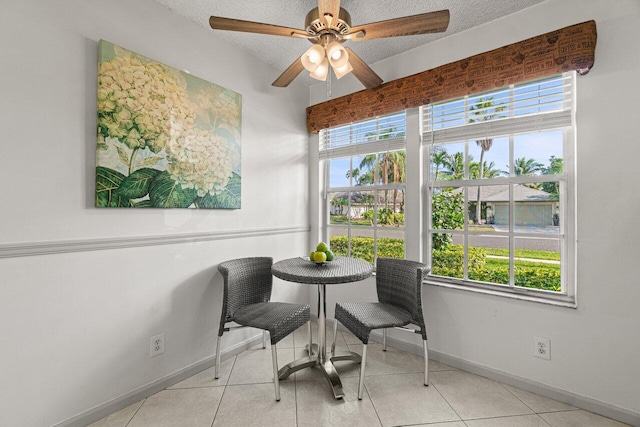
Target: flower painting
x=166, y=139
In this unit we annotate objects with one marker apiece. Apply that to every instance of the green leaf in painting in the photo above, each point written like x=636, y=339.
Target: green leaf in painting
x=142, y=204
x=137, y=184
x=166, y=193
x=148, y=162
x=228, y=199
x=107, y=182
x=123, y=156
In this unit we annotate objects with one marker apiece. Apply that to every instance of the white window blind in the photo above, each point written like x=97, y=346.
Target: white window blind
x=534, y=106
x=382, y=134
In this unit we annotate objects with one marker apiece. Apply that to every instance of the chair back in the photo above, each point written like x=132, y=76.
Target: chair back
x=399, y=283
x=246, y=281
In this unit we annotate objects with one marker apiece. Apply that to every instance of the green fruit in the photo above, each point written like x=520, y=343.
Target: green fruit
x=320, y=257
x=322, y=247
x=311, y=255
x=330, y=255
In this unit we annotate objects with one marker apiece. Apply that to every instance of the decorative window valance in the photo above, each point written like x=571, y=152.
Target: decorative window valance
x=570, y=48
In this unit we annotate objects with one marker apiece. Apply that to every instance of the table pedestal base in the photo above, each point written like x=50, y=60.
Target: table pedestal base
x=326, y=366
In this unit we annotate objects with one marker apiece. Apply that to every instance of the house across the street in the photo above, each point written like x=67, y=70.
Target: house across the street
x=532, y=207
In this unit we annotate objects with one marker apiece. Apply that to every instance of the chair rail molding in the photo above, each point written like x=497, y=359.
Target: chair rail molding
x=13, y=250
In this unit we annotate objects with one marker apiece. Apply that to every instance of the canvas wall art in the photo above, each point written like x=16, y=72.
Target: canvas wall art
x=166, y=139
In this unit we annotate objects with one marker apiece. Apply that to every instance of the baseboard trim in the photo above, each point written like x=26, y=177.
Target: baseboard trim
x=564, y=396
x=108, y=408
x=573, y=399
x=13, y=250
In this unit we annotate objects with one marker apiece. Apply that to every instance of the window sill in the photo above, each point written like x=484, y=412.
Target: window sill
x=520, y=294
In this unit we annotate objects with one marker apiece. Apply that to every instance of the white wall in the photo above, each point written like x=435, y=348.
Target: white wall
x=76, y=326
x=595, y=348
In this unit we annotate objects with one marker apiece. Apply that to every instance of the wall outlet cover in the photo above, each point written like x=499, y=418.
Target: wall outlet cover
x=542, y=348
x=156, y=345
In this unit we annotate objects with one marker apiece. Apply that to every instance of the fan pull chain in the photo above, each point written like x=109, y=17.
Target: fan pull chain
x=329, y=84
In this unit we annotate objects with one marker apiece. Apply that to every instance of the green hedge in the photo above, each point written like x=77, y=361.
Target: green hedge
x=362, y=247
x=448, y=262
x=540, y=277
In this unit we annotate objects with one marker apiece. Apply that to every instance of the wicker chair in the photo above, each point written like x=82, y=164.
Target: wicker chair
x=399, y=286
x=247, y=291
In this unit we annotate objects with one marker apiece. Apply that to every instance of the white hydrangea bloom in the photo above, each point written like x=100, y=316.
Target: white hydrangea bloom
x=199, y=159
x=217, y=106
x=138, y=102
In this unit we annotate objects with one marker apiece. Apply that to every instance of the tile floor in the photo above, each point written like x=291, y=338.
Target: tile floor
x=395, y=396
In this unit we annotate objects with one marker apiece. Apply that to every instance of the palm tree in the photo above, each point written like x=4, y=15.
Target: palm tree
x=389, y=167
x=454, y=166
x=396, y=171
x=438, y=159
x=556, y=166
x=489, y=170
x=366, y=170
x=339, y=203
x=353, y=173
x=523, y=167
x=485, y=111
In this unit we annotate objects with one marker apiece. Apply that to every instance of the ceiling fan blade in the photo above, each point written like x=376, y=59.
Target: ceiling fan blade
x=229, y=24
x=289, y=74
x=331, y=7
x=363, y=72
x=431, y=22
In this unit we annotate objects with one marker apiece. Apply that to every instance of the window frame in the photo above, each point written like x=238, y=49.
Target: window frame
x=351, y=150
x=567, y=231
x=418, y=203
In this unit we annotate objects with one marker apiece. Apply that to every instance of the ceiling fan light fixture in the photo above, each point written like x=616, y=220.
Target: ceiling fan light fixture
x=320, y=73
x=313, y=58
x=327, y=26
x=343, y=71
x=329, y=19
x=338, y=56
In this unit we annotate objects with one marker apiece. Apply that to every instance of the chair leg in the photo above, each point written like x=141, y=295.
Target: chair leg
x=310, y=338
x=276, y=380
x=384, y=340
x=264, y=339
x=335, y=333
x=218, y=358
x=362, y=365
x=426, y=362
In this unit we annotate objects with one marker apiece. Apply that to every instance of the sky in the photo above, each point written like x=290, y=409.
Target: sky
x=529, y=98
x=539, y=146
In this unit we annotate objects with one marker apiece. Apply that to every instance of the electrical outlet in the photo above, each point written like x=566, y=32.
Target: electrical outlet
x=541, y=348
x=156, y=345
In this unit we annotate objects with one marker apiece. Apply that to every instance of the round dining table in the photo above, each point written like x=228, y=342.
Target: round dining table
x=339, y=271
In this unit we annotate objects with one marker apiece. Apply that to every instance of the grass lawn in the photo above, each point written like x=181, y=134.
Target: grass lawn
x=342, y=219
x=504, y=263
x=525, y=253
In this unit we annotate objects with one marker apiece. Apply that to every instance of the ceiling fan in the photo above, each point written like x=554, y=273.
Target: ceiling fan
x=328, y=26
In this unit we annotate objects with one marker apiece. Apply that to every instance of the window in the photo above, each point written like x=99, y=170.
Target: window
x=364, y=187
x=499, y=172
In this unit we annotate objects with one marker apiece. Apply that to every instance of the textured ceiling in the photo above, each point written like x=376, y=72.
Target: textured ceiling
x=282, y=51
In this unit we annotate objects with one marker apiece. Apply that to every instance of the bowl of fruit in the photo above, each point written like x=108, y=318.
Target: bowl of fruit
x=321, y=254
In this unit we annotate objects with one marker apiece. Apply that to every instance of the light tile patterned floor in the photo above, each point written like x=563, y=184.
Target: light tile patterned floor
x=395, y=395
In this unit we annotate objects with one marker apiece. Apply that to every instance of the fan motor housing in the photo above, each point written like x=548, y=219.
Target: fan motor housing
x=315, y=26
